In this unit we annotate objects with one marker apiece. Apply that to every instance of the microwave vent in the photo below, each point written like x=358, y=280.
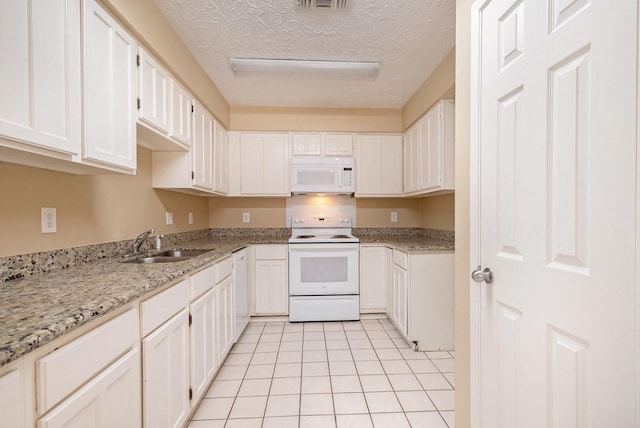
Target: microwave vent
x=323, y=4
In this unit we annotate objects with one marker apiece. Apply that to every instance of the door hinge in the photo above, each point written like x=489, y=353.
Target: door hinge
x=193, y=175
x=193, y=110
x=138, y=60
x=190, y=319
x=138, y=103
x=190, y=393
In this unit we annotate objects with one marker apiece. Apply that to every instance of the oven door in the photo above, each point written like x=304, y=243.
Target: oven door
x=323, y=269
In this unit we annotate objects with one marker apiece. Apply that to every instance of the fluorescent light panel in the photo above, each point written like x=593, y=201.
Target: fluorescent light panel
x=346, y=70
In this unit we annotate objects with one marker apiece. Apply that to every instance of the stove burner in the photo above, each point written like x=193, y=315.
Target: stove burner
x=339, y=236
x=305, y=236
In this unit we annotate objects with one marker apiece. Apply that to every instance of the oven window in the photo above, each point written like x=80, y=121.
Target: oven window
x=316, y=177
x=323, y=269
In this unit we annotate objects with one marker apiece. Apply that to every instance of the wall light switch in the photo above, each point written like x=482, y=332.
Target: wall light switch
x=246, y=217
x=169, y=217
x=190, y=217
x=394, y=217
x=49, y=224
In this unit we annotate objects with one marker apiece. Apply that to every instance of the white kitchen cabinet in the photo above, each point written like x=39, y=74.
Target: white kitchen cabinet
x=375, y=273
x=153, y=93
x=306, y=143
x=165, y=357
x=110, y=114
x=429, y=151
x=271, y=283
x=202, y=149
x=203, y=346
x=181, y=114
x=225, y=317
x=111, y=399
x=40, y=68
x=264, y=164
x=241, y=291
x=421, y=304
x=221, y=160
x=378, y=165
x=338, y=144
x=12, y=404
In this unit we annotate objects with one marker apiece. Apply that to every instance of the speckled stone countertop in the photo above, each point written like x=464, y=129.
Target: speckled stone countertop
x=60, y=291
x=38, y=309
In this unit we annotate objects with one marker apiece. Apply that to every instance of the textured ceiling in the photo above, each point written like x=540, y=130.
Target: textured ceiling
x=409, y=38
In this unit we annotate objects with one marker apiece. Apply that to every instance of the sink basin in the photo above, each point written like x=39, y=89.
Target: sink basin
x=181, y=253
x=170, y=256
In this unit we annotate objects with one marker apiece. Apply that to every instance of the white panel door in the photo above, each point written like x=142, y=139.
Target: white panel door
x=40, y=85
x=202, y=148
x=153, y=91
x=338, y=144
x=379, y=165
x=272, y=294
x=374, y=268
x=431, y=146
x=412, y=158
x=554, y=147
x=181, y=113
x=221, y=160
x=202, y=337
x=109, y=89
x=225, y=317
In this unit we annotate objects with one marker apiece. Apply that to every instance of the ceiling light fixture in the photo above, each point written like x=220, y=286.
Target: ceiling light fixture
x=346, y=70
x=327, y=4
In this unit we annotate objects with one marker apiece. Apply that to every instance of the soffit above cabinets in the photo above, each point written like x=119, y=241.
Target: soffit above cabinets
x=409, y=38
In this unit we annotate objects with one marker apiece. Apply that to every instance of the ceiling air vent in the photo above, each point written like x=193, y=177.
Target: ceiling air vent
x=324, y=4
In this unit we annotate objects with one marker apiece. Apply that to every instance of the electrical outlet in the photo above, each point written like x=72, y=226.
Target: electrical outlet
x=246, y=217
x=190, y=217
x=169, y=218
x=49, y=224
x=394, y=217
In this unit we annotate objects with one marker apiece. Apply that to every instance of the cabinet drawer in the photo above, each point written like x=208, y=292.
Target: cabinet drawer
x=203, y=281
x=401, y=259
x=225, y=267
x=163, y=306
x=87, y=355
x=271, y=252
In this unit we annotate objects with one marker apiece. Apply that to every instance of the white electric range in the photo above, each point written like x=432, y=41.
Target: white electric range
x=323, y=270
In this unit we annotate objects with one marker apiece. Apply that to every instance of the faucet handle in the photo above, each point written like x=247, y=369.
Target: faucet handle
x=159, y=242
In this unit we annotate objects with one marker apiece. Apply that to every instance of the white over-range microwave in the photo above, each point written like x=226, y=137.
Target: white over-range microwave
x=322, y=175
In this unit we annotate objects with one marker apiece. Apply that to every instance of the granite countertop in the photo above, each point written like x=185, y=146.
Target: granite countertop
x=37, y=309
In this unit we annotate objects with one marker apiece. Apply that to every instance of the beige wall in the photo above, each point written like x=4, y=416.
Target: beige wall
x=377, y=212
x=145, y=20
x=315, y=119
x=90, y=209
x=462, y=260
x=437, y=212
x=440, y=84
x=264, y=212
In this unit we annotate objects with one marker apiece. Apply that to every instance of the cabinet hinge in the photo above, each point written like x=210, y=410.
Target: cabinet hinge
x=138, y=60
x=138, y=103
x=190, y=319
x=193, y=175
x=190, y=393
x=192, y=109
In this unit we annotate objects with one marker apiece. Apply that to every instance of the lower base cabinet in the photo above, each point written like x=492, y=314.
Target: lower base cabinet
x=203, y=346
x=111, y=399
x=225, y=318
x=271, y=279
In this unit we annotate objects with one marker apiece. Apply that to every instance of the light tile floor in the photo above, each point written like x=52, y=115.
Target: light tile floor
x=338, y=374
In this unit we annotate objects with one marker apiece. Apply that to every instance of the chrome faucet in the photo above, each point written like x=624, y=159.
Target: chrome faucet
x=140, y=240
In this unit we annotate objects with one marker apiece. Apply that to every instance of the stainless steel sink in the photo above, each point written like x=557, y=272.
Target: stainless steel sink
x=170, y=256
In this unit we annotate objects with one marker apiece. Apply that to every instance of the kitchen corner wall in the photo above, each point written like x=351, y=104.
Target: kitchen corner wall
x=90, y=209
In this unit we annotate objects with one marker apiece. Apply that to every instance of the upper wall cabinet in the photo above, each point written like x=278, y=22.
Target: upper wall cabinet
x=321, y=144
x=164, y=107
x=378, y=165
x=110, y=88
x=264, y=164
x=40, y=87
x=429, y=152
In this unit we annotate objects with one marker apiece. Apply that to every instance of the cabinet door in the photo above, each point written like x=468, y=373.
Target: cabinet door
x=225, y=317
x=264, y=164
x=272, y=291
x=203, y=362
x=241, y=292
x=412, y=159
x=109, y=89
x=111, y=399
x=400, y=299
x=306, y=144
x=338, y=145
x=379, y=165
x=40, y=85
x=374, y=265
x=166, y=373
x=202, y=149
x=181, y=114
x=153, y=91
x=12, y=402
x=221, y=160
x=431, y=150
